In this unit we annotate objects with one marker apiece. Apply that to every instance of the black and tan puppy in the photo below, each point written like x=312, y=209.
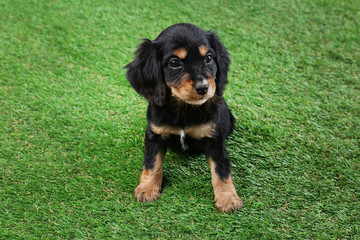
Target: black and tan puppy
x=182, y=74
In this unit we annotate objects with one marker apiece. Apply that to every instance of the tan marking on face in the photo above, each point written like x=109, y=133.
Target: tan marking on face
x=149, y=187
x=226, y=198
x=184, y=90
x=180, y=53
x=212, y=87
x=203, y=50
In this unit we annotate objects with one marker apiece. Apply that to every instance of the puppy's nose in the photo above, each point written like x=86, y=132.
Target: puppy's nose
x=202, y=89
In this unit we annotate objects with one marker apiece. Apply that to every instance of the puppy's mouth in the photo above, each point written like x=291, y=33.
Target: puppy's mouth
x=191, y=92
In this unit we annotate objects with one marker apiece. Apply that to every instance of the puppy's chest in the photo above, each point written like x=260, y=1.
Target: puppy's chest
x=198, y=132
x=205, y=130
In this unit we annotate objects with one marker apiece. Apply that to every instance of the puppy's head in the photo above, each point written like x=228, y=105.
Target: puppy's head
x=184, y=61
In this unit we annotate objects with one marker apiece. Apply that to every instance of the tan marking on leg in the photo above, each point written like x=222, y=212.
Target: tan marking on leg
x=201, y=131
x=226, y=198
x=203, y=50
x=180, y=53
x=149, y=187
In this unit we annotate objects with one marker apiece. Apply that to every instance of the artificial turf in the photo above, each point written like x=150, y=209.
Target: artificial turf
x=72, y=128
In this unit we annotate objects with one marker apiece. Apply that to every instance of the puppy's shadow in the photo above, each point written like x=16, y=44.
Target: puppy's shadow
x=183, y=168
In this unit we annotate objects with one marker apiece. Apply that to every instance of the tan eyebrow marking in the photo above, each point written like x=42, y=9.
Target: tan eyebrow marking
x=180, y=53
x=203, y=50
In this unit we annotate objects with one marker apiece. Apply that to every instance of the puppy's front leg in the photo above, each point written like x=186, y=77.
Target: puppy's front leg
x=149, y=187
x=226, y=198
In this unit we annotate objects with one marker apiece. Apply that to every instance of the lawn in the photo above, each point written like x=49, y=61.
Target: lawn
x=72, y=128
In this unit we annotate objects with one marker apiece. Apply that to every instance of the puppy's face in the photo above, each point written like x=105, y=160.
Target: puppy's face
x=190, y=72
x=189, y=63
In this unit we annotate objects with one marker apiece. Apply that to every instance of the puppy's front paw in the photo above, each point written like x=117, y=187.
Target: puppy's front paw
x=228, y=202
x=145, y=193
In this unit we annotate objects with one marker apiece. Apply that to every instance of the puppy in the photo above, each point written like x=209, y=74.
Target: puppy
x=182, y=74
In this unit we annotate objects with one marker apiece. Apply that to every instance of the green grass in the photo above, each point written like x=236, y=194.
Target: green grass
x=72, y=128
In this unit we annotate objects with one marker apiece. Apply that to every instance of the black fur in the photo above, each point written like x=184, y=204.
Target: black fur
x=145, y=74
x=149, y=74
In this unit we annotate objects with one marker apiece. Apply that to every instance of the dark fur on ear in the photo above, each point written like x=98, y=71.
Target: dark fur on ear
x=145, y=75
x=223, y=61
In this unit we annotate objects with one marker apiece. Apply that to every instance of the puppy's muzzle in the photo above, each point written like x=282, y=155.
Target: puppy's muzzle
x=202, y=87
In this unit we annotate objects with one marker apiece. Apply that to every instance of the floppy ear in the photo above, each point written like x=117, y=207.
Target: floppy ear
x=144, y=74
x=222, y=60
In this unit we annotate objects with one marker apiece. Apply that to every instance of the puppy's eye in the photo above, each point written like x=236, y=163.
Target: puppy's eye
x=208, y=58
x=174, y=63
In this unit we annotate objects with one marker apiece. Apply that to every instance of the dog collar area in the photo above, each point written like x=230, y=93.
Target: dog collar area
x=182, y=140
x=204, y=130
